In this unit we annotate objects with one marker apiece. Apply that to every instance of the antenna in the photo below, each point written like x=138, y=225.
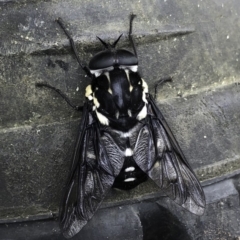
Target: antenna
x=116, y=41
x=103, y=43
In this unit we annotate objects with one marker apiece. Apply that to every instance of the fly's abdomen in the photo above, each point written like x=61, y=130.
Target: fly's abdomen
x=130, y=176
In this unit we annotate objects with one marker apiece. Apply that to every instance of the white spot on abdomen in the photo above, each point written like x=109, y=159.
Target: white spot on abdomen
x=129, y=179
x=128, y=152
x=129, y=169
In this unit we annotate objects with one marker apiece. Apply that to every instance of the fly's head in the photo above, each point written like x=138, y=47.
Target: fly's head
x=111, y=58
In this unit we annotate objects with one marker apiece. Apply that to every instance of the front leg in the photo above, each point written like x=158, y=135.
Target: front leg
x=64, y=96
x=158, y=83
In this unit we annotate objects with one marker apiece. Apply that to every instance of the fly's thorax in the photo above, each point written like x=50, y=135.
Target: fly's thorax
x=118, y=97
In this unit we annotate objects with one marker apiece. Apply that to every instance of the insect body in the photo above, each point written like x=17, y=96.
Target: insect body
x=123, y=140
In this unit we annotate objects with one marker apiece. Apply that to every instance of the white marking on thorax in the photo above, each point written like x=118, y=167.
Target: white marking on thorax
x=90, y=98
x=129, y=179
x=129, y=113
x=129, y=169
x=96, y=102
x=127, y=74
x=145, y=86
x=144, y=97
x=88, y=92
x=133, y=68
x=128, y=152
x=109, y=82
x=143, y=113
x=145, y=90
x=102, y=119
x=98, y=72
x=117, y=114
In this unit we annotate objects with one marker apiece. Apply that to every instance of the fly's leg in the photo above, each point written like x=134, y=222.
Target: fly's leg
x=160, y=82
x=132, y=16
x=63, y=95
x=84, y=67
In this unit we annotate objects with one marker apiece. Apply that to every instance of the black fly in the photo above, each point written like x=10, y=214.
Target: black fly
x=123, y=140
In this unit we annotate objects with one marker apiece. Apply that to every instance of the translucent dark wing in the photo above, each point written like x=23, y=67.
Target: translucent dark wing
x=158, y=154
x=91, y=175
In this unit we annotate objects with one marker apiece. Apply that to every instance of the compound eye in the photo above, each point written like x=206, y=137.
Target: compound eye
x=126, y=58
x=102, y=60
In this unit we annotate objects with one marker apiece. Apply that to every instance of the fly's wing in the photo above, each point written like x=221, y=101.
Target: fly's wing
x=162, y=159
x=91, y=175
